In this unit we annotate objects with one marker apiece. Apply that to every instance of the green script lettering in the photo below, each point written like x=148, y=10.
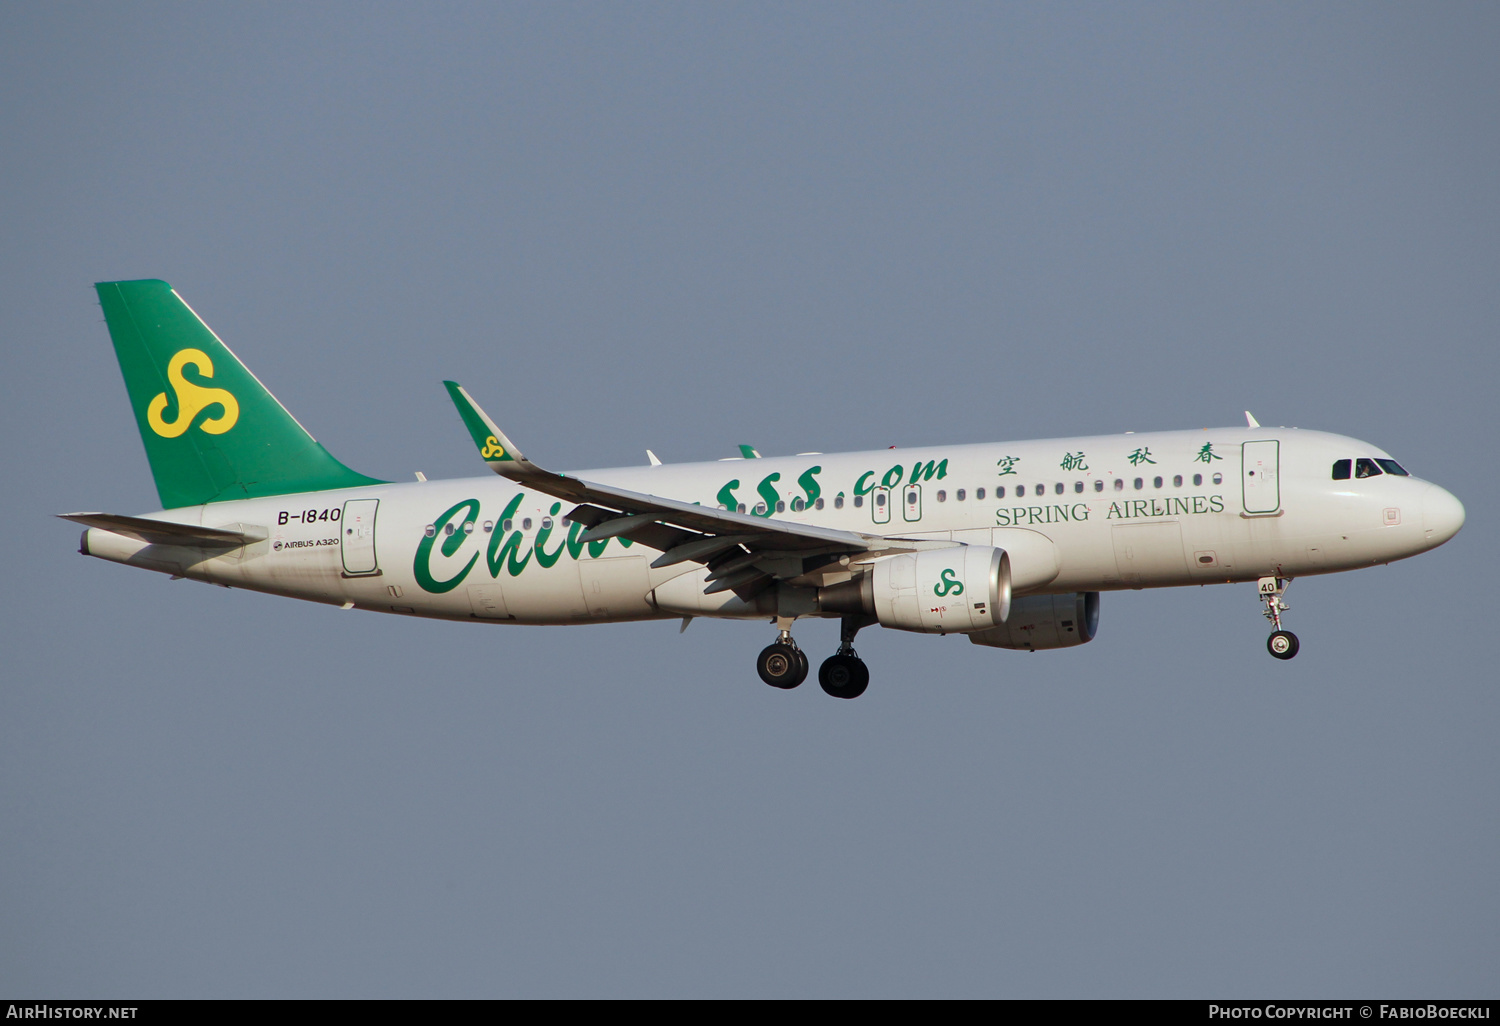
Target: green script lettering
x=422, y=568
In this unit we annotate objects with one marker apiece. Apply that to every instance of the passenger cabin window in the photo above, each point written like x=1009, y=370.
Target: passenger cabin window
x=960, y=495
x=1342, y=469
x=838, y=501
x=942, y=496
x=999, y=493
x=819, y=503
x=1392, y=467
x=1156, y=482
x=526, y=524
x=1366, y=468
x=1058, y=488
x=798, y=505
x=1139, y=483
x=859, y=500
x=781, y=505
x=1099, y=485
x=1020, y=491
x=1176, y=480
x=880, y=498
x=1119, y=484
x=1197, y=479
x=1218, y=479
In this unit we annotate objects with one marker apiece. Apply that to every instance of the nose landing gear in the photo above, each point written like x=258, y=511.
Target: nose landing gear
x=1281, y=644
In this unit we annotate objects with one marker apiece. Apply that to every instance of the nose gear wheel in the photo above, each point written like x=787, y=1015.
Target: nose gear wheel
x=1282, y=644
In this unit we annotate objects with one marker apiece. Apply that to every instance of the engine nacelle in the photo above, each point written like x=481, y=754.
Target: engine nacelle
x=941, y=591
x=1045, y=621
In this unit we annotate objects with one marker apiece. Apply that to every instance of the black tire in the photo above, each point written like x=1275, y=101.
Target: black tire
x=844, y=676
x=781, y=666
x=1282, y=644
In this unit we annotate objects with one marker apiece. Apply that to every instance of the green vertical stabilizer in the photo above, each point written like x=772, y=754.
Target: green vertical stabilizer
x=212, y=431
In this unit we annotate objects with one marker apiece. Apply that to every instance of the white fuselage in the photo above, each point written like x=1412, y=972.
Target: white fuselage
x=1076, y=515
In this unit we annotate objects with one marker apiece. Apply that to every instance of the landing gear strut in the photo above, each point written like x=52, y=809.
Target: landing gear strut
x=782, y=664
x=1281, y=644
x=844, y=674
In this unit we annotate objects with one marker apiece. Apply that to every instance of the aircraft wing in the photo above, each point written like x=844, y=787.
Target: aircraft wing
x=744, y=552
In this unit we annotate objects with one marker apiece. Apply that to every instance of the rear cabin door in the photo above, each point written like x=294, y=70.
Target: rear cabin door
x=1260, y=474
x=358, y=542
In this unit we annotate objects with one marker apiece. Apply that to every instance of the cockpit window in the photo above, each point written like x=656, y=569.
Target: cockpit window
x=1392, y=467
x=1366, y=468
x=1341, y=469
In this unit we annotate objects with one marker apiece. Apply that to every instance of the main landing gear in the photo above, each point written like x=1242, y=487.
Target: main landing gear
x=842, y=675
x=1281, y=644
x=783, y=664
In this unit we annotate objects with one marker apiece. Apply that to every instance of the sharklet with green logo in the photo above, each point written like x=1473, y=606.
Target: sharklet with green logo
x=494, y=448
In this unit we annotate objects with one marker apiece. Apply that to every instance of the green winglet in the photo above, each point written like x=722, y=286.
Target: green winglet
x=748, y=452
x=491, y=442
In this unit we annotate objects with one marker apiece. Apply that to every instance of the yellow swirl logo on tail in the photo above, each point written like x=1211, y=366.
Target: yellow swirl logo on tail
x=492, y=450
x=192, y=399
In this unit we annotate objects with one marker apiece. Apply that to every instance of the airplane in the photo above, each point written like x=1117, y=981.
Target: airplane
x=1008, y=543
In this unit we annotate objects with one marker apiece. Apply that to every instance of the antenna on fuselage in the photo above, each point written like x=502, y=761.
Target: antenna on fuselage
x=1251, y=421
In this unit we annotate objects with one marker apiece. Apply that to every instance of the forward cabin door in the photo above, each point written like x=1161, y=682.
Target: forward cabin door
x=358, y=537
x=1261, y=477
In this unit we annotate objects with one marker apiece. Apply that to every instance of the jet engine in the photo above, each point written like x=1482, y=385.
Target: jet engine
x=1045, y=621
x=939, y=591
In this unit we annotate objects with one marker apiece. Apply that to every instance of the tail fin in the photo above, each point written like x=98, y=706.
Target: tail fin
x=212, y=431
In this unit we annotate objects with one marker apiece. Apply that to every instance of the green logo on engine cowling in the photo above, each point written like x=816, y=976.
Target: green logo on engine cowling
x=949, y=584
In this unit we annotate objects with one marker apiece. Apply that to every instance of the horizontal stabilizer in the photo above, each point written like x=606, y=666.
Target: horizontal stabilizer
x=164, y=532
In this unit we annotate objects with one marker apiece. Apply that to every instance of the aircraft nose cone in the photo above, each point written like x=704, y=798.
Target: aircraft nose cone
x=1442, y=515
